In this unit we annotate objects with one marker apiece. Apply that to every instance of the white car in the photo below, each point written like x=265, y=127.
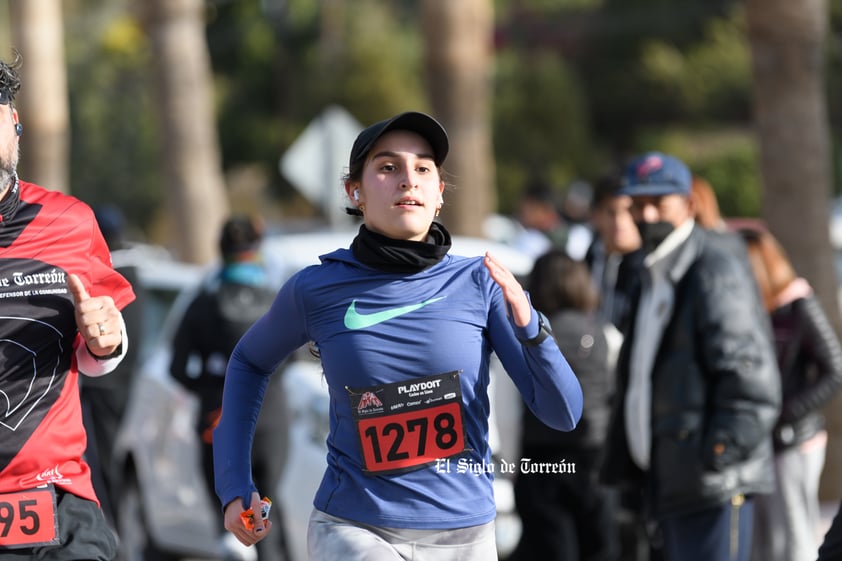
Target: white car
x=156, y=438
x=165, y=512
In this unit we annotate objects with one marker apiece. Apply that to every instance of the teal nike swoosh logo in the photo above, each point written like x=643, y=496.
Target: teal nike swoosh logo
x=356, y=320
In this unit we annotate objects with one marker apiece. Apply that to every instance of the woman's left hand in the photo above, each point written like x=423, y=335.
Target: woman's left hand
x=512, y=290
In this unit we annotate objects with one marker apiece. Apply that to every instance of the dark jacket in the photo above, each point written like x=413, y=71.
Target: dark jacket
x=715, y=390
x=212, y=325
x=810, y=360
x=831, y=548
x=615, y=296
x=581, y=338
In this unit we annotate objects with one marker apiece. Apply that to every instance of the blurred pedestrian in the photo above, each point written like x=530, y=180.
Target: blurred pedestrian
x=405, y=333
x=537, y=213
x=569, y=516
x=706, y=214
x=706, y=205
x=614, y=257
x=61, y=316
x=576, y=212
x=223, y=310
x=105, y=398
x=810, y=362
x=698, y=383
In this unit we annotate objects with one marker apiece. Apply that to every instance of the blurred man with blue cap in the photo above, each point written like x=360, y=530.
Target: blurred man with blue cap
x=698, y=382
x=653, y=180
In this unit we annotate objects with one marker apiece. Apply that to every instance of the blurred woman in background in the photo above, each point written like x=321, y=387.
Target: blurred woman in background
x=570, y=516
x=810, y=361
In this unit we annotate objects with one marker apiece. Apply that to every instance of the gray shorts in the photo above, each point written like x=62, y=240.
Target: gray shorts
x=336, y=539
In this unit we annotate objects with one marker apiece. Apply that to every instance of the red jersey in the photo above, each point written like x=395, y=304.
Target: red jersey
x=48, y=236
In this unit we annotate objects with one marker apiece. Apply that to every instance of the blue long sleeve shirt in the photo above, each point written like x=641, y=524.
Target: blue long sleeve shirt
x=378, y=333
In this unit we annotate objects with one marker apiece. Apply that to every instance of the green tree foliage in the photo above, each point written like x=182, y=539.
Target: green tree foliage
x=272, y=78
x=251, y=82
x=580, y=85
x=113, y=137
x=722, y=70
x=660, y=76
x=670, y=81
x=618, y=78
x=541, y=127
x=725, y=156
x=384, y=71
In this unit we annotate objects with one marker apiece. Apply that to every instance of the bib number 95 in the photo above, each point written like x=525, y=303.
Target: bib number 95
x=28, y=518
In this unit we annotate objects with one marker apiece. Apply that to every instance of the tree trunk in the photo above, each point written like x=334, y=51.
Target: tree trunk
x=42, y=101
x=459, y=58
x=787, y=43
x=190, y=141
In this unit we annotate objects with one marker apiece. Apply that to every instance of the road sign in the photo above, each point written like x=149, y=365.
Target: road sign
x=315, y=162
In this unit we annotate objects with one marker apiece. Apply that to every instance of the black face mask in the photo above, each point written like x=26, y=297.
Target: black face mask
x=653, y=233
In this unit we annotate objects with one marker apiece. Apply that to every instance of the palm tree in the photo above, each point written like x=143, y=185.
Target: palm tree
x=459, y=54
x=787, y=45
x=191, y=152
x=42, y=101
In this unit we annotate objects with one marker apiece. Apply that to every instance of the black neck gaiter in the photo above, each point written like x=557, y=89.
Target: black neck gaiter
x=401, y=256
x=10, y=202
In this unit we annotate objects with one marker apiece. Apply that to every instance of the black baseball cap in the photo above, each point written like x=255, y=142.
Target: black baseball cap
x=419, y=123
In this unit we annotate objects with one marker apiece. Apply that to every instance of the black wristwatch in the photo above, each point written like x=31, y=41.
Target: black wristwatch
x=544, y=331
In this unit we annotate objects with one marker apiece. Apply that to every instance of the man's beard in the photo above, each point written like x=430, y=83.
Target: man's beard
x=8, y=171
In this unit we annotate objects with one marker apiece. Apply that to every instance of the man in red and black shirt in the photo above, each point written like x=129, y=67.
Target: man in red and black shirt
x=60, y=302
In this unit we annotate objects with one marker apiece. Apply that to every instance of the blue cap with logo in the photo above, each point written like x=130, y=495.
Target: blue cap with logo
x=655, y=174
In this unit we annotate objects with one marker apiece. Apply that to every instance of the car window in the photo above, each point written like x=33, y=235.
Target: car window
x=156, y=306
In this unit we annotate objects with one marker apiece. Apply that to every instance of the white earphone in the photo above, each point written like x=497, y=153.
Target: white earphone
x=357, y=195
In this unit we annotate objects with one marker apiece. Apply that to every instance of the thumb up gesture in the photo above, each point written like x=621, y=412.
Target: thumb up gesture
x=97, y=319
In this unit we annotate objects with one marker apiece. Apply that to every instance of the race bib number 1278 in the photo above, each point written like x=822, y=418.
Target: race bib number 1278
x=407, y=425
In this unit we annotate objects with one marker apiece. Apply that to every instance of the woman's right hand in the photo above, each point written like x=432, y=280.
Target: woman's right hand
x=234, y=521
